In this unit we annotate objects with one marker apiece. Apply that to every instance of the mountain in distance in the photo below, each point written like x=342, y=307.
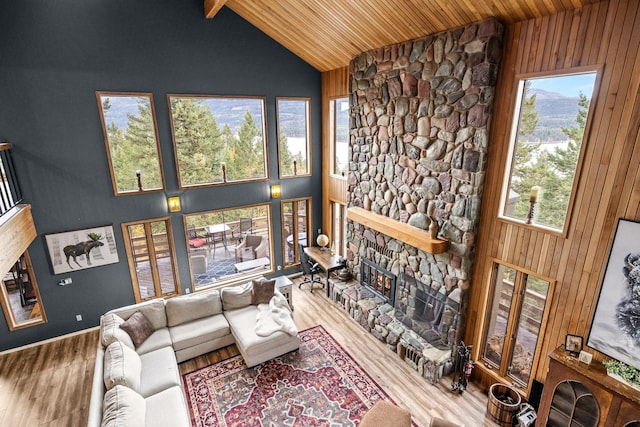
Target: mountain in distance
x=555, y=111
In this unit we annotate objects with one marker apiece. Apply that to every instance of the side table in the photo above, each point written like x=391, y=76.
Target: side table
x=285, y=286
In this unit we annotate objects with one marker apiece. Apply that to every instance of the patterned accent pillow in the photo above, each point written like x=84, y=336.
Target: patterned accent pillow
x=138, y=327
x=262, y=291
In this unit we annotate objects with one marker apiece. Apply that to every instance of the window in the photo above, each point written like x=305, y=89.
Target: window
x=21, y=300
x=131, y=137
x=229, y=245
x=152, y=261
x=218, y=140
x=295, y=228
x=516, y=318
x=339, y=228
x=294, y=138
x=546, y=148
x=339, y=116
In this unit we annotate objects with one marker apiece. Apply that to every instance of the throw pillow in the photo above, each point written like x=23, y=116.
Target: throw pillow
x=262, y=291
x=138, y=327
x=236, y=296
x=110, y=331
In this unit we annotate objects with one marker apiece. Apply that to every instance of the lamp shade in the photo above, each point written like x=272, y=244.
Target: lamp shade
x=174, y=204
x=275, y=191
x=322, y=240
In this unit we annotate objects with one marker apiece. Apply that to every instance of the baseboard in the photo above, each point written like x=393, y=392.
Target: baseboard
x=49, y=340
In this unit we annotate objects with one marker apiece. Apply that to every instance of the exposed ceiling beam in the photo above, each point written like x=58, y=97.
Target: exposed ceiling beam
x=211, y=7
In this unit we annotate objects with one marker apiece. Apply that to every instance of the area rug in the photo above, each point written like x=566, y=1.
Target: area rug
x=318, y=385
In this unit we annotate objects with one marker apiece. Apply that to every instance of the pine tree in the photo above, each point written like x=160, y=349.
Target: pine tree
x=198, y=141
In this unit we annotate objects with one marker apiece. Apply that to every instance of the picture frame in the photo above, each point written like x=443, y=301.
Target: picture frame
x=612, y=332
x=573, y=344
x=81, y=249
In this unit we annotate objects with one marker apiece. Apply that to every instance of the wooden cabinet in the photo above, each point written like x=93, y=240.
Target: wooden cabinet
x=577, y=394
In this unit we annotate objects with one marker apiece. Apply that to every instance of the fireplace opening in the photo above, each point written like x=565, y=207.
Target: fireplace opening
x=382, y=282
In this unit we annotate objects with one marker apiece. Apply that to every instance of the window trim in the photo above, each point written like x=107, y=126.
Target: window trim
x=519, y=81
x=496, y=372
x=307, y=102
x=296, y=255
x=156, y=278
x=332, y=138
x=114, y=184
x=263, y=127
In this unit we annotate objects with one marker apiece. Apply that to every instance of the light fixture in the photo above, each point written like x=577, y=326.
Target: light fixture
x=276, y=191
x=174, y=203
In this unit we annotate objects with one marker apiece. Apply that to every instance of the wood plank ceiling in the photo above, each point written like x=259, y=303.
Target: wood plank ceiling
x=327, y=34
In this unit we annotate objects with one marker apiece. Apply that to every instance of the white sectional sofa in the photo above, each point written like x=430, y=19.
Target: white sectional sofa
x=136, y=385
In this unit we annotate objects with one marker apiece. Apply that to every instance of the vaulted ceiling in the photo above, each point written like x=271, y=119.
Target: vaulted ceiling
x=329, y=33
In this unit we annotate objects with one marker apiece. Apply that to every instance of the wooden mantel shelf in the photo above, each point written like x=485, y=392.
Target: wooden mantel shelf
x=398, y=230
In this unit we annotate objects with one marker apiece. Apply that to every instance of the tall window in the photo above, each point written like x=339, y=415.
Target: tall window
x=546, y=148
x=294, y=137
x=218, y=140
x=131, y=137
x=339, y=116
x=229, y=245
x=339, y=228
x=21, y=301
x=515, y=321
x=151, y=258
x=296, y=220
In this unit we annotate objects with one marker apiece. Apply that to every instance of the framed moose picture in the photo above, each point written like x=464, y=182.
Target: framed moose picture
x=79, y=249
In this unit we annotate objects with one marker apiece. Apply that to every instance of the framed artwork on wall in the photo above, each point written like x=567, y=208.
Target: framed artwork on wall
x=79, y=249
x=613, y=330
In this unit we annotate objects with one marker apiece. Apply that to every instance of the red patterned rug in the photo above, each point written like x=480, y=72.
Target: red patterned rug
x=318, y=385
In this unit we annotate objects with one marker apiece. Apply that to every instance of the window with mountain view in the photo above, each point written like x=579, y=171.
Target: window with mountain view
x=218, y=139
x=547, y=146
x=293, y=137
x=131, y=138
x=339, y=125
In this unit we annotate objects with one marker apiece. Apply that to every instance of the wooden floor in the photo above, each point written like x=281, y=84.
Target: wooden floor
x=49, y=385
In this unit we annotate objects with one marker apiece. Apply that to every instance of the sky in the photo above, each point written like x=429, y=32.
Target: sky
x=569, y=85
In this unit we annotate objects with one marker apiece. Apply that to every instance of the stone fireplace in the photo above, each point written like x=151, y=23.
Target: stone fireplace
x=420, y=112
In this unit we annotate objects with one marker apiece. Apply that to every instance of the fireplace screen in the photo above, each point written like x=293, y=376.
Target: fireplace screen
x=381, y=281
x=427, y=311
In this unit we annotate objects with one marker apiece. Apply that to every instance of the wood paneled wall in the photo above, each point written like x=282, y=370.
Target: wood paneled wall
x=608, y=34
x=335, y=84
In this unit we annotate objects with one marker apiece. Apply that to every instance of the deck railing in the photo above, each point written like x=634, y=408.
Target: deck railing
x=10, y=193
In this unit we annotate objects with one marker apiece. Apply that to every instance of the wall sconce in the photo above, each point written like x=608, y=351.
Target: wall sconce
x=174, y=203
x=276, y=191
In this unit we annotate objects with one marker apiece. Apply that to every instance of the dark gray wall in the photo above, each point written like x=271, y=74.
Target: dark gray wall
x=55, y=55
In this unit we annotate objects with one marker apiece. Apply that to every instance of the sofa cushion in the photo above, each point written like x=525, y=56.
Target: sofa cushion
x=168, y=408
x=123, y=407
x=138, y=327
x=190, y=307
x=159, y=339
x=262, y=291
x=159, y=371
x=110, y=331
x=236, y=296
x=152, y=309
x=121, y=367
x=252, y=346
x=198, y=331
